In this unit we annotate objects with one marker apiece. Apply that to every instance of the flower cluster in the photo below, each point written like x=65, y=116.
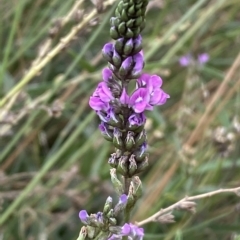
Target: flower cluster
x=122, y=114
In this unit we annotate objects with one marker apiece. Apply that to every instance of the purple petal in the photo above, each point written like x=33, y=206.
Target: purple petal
x=83, y=215
x=137, y=119
x=139, y=63
x=127, y=63
x=143, y=79
x=139, y=100
x=123, y=199
x=96, y=103
x=108, y=49
x=126, y=229
x=104, y=92
x=107, y=74
x=124, y=99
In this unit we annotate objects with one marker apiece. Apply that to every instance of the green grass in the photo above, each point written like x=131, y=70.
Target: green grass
x=53, y=166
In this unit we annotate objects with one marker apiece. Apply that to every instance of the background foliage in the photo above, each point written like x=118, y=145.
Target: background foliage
x=53, y=161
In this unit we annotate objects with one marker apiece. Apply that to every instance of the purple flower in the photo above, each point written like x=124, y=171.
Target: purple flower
x=83, y=215
x=139, y=100
x=153, y=84
x=185, y=60
x=203, y=58
x=137, y=119
x=131, y=230
x=101, y=97
x=123, y=199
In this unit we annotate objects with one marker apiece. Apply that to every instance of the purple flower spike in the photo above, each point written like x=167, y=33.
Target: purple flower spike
x=139, y=100
x=107, y=74
x=203, y=58
x=83, y=215
x=185, y=60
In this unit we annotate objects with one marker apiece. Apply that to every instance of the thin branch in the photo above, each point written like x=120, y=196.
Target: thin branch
x=176, y=205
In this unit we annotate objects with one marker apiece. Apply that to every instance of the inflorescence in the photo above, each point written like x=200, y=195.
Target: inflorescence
x=122, y=115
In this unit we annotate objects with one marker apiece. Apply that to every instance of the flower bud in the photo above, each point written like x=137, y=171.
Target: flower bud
x=113, y=160
x=116, y=183
x=112, y=221
x=107, y=51
x=121, y=204
x=142, y=165
x=128, y=47
x=116, y=59
x=92, y=231
x=83, y=233
x=137, y=187
x=84, y=217
x=129, y=141
x=114, y=33
x=123, y=165
x=117, y=140
x=110, y=214
x=114, y=21
x=141, y=152
x=141, y=138
x=108, y=206
x=106, y=132
x=126, y=66
x=132, y=166
x=129, y=33
x=119, y=44
x=123, y=15
x=122, y=28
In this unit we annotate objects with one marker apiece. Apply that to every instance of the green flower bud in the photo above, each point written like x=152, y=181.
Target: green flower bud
x=131, y=10
x=124, y=16
x=92, y=231
x=119, y=44
x=141, y=138
x=117, y=141
x=142, y=165
x=137, y=187
x=122, y=28
x=113, y=160
x=116, y=183
x=114, y=33
x=117, y=60
x=130, y=23
x=129, y=33
x=114, y=21
x=113, y=221
x=108, y=206
x=129, y=141
x=83, y=233
x=128, y=48
x=110, y=214
x=132, y=166
x=123, y=165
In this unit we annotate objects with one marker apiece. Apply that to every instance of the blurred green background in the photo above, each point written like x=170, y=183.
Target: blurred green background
x=53, y=161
